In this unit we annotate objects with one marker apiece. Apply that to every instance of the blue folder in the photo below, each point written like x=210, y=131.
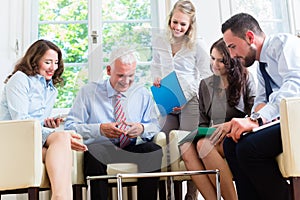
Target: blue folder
x=169, y=94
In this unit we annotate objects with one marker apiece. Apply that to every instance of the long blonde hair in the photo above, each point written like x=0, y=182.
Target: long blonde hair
x=186, y=7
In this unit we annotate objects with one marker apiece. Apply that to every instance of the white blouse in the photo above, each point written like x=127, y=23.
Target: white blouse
x=190, y=65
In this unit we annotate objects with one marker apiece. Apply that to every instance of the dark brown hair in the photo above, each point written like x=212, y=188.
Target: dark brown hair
x=240, y=23
x=237, y=75
x=28, y=64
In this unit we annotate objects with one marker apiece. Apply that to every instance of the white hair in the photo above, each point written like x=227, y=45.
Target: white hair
x=125, y=54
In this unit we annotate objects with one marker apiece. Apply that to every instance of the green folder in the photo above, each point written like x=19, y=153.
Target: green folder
x=197, y=134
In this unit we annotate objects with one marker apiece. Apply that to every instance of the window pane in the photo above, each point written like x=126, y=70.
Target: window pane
x=62, y=10
x=126, y=10
x=123, y=22
x=136, y=35
x=128, y=25
x=64, y=22
x=71, y=38
x=271, y=14
x=143, y=75
x=74, y=78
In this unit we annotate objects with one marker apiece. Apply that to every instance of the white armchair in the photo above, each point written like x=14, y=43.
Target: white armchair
x=176, y=162
x=289, y=160
x=21, y=169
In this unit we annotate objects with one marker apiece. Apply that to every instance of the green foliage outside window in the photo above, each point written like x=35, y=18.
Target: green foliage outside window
x=65, y=22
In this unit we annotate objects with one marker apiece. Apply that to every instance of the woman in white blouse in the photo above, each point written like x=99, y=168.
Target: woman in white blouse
x=178, y=49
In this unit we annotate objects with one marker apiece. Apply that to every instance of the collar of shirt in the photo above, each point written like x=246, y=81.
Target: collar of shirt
x=111, y=92
x=47, y=84
x=262, y=56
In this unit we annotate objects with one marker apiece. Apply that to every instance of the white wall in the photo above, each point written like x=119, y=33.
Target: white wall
x=13, y=28
x=5, y=47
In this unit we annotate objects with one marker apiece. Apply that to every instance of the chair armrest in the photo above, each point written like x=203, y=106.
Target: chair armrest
x=175, y=136
x=77, y=169
x=160, y=139
x=289, y=160
x=20, y=154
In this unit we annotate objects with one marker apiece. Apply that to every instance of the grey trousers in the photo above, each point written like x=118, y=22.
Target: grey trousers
x=187, y=119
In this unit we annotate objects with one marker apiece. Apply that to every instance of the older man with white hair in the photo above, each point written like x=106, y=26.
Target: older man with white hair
x=110, y=116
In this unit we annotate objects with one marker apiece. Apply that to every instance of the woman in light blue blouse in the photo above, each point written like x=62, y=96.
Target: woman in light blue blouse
x=30, y=93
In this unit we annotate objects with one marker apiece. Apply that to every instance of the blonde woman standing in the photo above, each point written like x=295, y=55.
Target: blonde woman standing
x=178, y=49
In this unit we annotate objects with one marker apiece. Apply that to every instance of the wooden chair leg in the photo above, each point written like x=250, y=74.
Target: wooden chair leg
x=295, y=183
x=110, y=193
x=130, y=192
x=77, y=192
x=178, y=190
x=33, y=193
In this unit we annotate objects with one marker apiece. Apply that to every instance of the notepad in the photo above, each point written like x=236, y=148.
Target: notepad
x=197, y=134
x=262, y=127
x=169, y=94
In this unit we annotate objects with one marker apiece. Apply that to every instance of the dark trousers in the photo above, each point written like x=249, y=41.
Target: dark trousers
x=253, y=164
x=147, y=156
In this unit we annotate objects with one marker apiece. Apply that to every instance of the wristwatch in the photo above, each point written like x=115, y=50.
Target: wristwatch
x=255, y=117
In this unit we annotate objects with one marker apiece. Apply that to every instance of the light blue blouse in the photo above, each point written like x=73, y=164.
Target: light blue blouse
x=94, y=105
x=281, y=52
x=28, y=97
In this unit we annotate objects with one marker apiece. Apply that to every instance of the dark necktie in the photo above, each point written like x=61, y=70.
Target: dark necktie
x=267, y=79
x=120, y=117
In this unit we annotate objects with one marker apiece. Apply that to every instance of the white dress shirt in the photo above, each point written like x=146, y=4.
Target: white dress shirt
x=94, y=105
x=190, y=65
x=281, y=52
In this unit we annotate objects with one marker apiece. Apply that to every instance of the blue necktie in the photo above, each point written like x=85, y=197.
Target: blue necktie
x=267, y=79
